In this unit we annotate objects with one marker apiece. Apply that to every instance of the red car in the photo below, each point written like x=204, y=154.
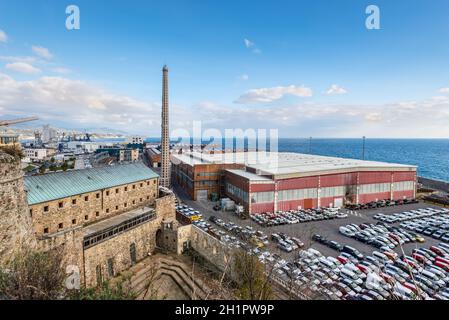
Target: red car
x=391, y=255
x=411, y=263
x=363, y=268
x=387, y=278
x=395, y=237
x=411, y=287
x=446, y=261
x=419, y=258
x=343, y=260
x=438, y=251
x=442, y=265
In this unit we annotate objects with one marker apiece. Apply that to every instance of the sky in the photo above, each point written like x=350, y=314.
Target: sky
x=306, y=68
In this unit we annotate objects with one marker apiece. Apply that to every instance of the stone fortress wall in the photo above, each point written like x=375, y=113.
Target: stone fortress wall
x=15, y=223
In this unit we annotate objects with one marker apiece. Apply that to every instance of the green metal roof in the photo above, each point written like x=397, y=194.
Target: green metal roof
x=58, y=185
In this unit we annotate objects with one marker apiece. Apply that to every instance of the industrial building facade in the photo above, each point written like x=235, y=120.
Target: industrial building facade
x=298, y=181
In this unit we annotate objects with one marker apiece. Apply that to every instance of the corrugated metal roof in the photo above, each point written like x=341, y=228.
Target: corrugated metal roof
x=60, y=185
x=249, y=175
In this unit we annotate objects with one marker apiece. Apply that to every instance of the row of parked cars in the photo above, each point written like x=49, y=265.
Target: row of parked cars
x=378, y=276
x=410, y=215
x=246, y=234
x=381, y=236
x=286, y=243
x=268, y=219
x=380, y=204
x=436, y=227
x=188, y=214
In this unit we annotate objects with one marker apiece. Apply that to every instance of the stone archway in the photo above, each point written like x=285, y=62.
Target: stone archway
x=159, y=239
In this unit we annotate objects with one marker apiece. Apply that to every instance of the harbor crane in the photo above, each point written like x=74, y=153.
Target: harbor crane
x=5, y=123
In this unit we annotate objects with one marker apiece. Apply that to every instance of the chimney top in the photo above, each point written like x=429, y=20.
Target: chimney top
x=165, y=68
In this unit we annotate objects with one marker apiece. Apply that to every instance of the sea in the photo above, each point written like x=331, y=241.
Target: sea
x=430, y=155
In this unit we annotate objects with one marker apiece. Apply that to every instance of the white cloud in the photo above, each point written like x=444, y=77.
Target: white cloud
x=3, y=36
x=252, y=46
x=373, y=116
x=336, y=89
x=42, y=52
x=22, y=67
x=76, y=104
x=61, y=70
x=265, y=95
x=248, y=43
x=444, y=90
x=18, y=59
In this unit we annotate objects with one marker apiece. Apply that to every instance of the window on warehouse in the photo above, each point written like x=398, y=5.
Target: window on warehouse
x=237, y=192
x=297, y=194
x=262, y=197
x=403, y=186
x=374, y=188
x=332, y=192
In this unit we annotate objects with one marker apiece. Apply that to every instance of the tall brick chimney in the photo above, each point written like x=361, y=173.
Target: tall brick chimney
x=165, y=135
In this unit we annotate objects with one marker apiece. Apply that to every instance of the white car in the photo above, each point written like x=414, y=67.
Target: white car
x=345, y=231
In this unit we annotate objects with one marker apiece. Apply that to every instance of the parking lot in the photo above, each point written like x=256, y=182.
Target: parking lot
x=389, y=252
x=326, y=228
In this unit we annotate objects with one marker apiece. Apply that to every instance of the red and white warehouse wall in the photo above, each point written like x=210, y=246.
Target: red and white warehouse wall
x=325, y=190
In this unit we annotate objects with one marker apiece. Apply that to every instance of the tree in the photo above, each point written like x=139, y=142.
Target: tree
x=52, y=159
x=64, y=166
x=255, y=284
x=53, y=167
x=42, y=169
x=33, y=276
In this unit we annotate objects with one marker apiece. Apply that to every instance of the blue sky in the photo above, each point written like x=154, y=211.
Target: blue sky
x=259, y=64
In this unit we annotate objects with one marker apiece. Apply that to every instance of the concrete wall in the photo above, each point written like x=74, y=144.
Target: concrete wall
x=210, y=248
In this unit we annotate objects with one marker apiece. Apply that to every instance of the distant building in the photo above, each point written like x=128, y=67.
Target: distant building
x=135, y=140
x=37, y=154
x=48, y=134
x=9, y=139
x=121, y=154
x=128, y=155
x=154, y=157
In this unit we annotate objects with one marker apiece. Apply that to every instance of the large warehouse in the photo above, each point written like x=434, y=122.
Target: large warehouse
x=267, y=182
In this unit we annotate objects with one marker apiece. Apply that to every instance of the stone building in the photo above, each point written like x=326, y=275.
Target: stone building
x=64, y=200
x=106, y=219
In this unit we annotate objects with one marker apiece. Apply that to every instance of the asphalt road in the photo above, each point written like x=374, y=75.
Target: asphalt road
x=304, y=231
